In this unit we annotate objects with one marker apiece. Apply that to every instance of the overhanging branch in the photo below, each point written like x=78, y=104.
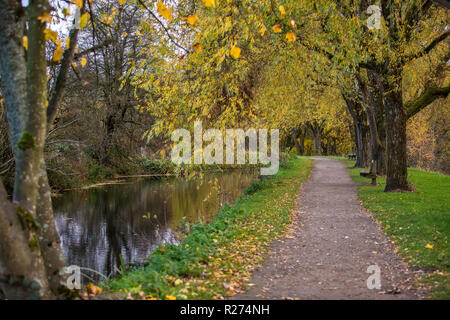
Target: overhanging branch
x=428, y=48
x=426, y=98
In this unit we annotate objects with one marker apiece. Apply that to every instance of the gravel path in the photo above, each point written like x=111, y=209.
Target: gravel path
x=332, y=242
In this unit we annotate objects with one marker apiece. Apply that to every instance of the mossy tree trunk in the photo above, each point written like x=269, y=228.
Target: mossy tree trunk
x=395, y=117
x=29, y=229
x=24, y=87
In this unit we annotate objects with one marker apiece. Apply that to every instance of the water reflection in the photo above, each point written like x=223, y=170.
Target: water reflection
x=99, y=227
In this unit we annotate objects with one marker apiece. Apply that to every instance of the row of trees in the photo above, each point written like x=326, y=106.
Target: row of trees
x=309, y=46
x=301, y=66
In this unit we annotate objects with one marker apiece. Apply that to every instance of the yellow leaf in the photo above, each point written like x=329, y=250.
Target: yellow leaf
x=197, y=47
x=209, y=3
x=83, y=62
x=66, y=12
x=84, y=20
x=93, y=289
x=192, y=20
x=50, y=35
x=282, y=11
x=291, y=37
x=171, y=298
x=262, y=31
x=25, y=42
x=165, y=12
x=235, y=52
x=108, y=19
x=46, y=17
x=58, y=52
x=277, y=28
x=67, y=43
x=124, y=34
x=122, y=1
x=429, y=246
x=78, y=3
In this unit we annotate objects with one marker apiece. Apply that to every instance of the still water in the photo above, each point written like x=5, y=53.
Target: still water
x=99, y=227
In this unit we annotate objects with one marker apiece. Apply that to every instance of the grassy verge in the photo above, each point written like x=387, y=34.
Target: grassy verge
x=216, y=260
x=418, y=222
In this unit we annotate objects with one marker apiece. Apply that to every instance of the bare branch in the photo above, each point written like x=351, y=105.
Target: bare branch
x=163, y=26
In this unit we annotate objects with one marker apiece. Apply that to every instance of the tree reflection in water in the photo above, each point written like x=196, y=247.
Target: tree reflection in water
x=100, y=226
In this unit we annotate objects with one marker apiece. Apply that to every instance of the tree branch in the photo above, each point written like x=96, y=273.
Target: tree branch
x=83, y=53
x=163, y=26
x=425, y=99
x=428, y=48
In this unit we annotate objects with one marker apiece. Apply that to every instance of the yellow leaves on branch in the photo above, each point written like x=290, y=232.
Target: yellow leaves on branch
x=50, y=35
x=84, y=20
x=83, y=62
x=192, y=20
x=210, y=3
x=45, y=17
x=122, y=2
x=165, y=12
x=235, y=52
x=197, y=47
x=57, y=55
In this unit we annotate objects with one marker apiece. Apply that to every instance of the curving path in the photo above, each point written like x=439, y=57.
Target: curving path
x=332, y=243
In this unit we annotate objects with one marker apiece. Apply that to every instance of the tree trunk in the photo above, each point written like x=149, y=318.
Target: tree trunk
x=368, y=104
x=302, y=137
x=297, y=145
x=49, y=240
x=377, y=109
x=25, y=91
x=22, y=275
x=361, y=140
x=397, y=173
x=316, y=133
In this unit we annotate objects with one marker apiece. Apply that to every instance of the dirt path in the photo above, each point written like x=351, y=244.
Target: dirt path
x=332, y=243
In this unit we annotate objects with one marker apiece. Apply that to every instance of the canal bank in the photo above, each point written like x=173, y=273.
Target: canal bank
x=216, y=260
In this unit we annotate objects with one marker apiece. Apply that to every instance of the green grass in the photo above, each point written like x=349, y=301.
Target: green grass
x=415, y=221
x=216, y=260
